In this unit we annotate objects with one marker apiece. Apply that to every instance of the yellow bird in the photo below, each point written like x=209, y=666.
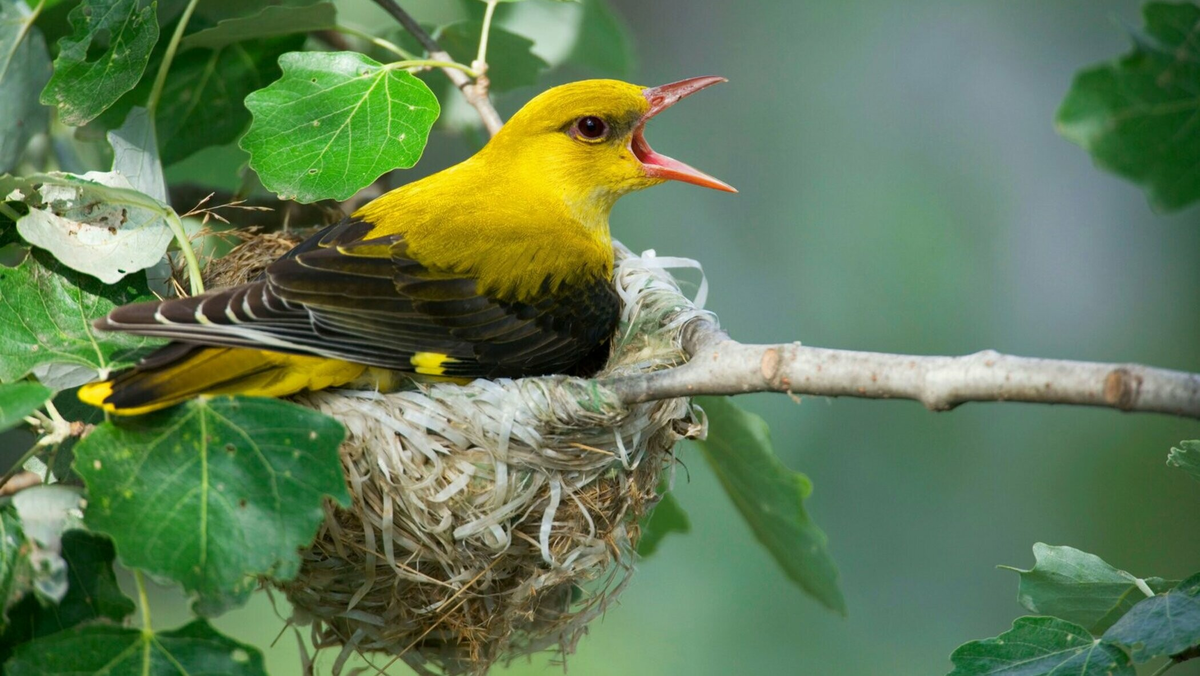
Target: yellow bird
x=500, y=266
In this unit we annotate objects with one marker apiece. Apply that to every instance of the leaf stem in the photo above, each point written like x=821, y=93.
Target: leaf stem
x=9, y=212
x=432, y=63
x=1164, y=668
x=378, y=42
x=480, y=63
x=160, y=80
x=195, y=277
x=143, y=603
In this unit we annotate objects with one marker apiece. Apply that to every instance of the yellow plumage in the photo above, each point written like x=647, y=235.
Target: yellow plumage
x=498, y=266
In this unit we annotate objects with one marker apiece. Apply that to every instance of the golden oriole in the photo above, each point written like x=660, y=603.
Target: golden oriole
x=500, y=266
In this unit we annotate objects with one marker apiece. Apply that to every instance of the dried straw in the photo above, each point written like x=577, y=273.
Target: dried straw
x=494, y=519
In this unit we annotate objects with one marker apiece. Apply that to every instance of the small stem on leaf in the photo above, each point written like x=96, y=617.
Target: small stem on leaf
x=160, y=80
x=1164, y=668
x=378, y=42
x=431, y=63
x=189, y=254
x=480, y=63
x=9, y=213
x=20, y=463
x=143, y=602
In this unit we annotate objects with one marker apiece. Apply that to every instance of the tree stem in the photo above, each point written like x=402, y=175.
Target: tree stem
x=474, y=94
x=720, y=365
x=160, y=80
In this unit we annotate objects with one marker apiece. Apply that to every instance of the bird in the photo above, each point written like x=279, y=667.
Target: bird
x=500, y=266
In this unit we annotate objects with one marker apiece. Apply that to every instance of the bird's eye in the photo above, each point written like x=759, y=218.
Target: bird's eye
x=591, y=128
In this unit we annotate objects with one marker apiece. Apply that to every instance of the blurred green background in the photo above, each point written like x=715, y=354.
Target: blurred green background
x=902, y=190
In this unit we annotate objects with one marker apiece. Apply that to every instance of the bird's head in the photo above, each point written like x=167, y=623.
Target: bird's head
x=586, y=138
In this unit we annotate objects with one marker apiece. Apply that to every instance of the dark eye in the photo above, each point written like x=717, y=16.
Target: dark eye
x=591, y=127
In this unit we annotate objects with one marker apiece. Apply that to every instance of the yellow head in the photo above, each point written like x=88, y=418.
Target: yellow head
x=586, y=139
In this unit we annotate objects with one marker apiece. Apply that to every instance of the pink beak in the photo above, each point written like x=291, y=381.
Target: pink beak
x=661, y=166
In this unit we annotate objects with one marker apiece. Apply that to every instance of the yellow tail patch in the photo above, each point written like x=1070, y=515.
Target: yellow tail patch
x=430, y=363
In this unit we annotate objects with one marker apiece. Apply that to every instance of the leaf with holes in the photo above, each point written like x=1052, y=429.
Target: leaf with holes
x=1166, y=624
x=195, y=648
x=770, y=497
x=266, y=22
x=46, y=313
x=1041, y=646
x=1080, y=587
x=95, y=223
x=18, y=400
x=335, y=122
x=1186, y=457
x=103, y=58
x=213, y=493
x=1137, y=116
x=24, y=71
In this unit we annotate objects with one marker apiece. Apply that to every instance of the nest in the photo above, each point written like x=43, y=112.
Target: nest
x=495, y=519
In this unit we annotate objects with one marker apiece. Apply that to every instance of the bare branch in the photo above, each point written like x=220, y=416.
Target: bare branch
x=475, y=92
x=720, y=365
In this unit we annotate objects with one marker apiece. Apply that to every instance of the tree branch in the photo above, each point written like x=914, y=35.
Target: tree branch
x=720, y=365
x=475, y=91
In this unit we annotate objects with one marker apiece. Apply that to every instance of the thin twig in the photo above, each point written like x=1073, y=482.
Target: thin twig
x=720, y=365
x=474, y=94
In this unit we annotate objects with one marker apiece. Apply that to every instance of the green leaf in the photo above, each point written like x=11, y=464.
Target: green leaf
x=269, y=21
x=115, y=651
x=604, y=44
x=667, y=517
x=213, y=493
x=770, y=497
x=335, y=122
x=135, y=154
x=1186, y=457
x=1166, y=624
x=1041, y=645
x=46, y=313
x=511, y=63
x=104, y=57
x=92, y=595
x=1080, y=587
x=24, y=71
x=1136, y=116
x=90, y=224
x=14, y=564
x=18, y=400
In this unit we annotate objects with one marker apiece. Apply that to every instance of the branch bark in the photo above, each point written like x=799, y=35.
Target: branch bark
x=475, y=91
x=720, y=365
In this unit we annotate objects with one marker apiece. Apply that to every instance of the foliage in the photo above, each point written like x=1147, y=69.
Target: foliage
x=1136, y=116
x=24, y=68
x=19, y=399
x=770, y=497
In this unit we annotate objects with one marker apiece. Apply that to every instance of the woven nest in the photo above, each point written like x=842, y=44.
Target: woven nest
x=495, y=519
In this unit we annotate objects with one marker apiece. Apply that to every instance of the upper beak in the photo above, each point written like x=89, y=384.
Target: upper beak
x=661, y=166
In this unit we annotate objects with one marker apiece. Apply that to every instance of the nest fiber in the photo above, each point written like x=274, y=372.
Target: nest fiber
x=494, y=519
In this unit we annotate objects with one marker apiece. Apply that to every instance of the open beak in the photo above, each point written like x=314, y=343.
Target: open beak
x=661, y=166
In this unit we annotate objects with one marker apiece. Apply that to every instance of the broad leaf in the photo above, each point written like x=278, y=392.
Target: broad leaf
x=511, y=63
x=102, y=59
x=1037, y=646
x=115, y=651
x=92, y=595
x=667, y=517
x=202, y=102
x=335, y=122
x=1166, y=624
x=46, y=511
x=46, y=313
x=1080, y=587
x=135, y=154
x=269, y=21
x=14, y=564
x=770, y=497
x=89, y=224
x=1187, y=458
x=24, y=71
x=1137, y=116
x=213, y=493
x=18, y=400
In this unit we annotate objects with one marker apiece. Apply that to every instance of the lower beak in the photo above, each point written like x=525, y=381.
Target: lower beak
x=661, y=166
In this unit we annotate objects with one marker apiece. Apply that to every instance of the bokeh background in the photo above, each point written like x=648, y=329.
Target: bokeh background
x=902, y=190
